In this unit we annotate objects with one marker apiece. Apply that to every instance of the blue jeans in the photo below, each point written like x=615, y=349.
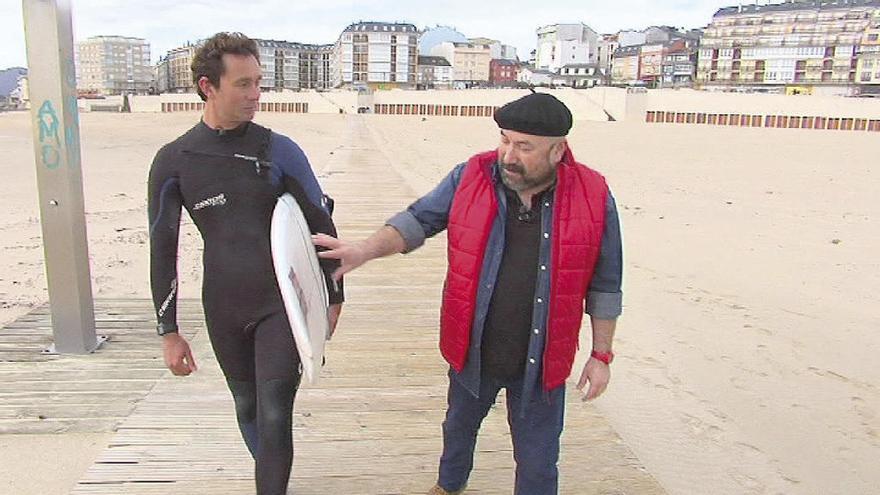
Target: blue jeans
x=535, y=436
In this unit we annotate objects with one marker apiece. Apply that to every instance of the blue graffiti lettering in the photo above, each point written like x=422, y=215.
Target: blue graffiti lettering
x=50, y=156
x=47, y=120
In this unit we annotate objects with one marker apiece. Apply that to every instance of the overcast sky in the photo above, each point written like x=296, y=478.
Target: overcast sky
x=169, y=23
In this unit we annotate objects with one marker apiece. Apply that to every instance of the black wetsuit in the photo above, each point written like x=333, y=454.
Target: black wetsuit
x=229, y=183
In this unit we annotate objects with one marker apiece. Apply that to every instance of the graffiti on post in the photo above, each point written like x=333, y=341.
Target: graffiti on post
x=71, y=131
x=50, y=141
x=71, y=114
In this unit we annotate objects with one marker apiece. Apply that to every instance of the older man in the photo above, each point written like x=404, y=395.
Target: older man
x=534, y=240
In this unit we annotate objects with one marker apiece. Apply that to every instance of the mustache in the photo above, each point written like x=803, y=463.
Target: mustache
x=514, y=167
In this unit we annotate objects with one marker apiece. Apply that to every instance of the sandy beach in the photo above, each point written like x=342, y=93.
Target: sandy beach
x=747, y=345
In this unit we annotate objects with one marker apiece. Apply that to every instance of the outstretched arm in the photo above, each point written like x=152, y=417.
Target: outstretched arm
x=384, y=242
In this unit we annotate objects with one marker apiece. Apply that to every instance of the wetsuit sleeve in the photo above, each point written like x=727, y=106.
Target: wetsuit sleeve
x=605, y=297
x=299, y=180
x=164, y=202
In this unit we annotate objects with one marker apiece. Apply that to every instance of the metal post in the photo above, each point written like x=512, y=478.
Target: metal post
x=55, y=122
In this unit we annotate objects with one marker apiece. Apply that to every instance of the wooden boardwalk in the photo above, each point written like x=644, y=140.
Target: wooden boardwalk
x=370, y=426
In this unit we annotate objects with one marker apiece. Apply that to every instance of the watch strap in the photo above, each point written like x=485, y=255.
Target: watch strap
x=605, y=357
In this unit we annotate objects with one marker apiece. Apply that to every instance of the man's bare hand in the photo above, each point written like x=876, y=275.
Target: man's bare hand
x=597, y=374
x=351, y=255
x=178, y=356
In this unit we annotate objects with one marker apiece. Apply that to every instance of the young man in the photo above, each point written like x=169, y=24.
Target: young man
x=228, y=173
x=533, y=235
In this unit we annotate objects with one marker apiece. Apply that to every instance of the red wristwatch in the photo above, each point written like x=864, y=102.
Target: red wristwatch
x=605, y=357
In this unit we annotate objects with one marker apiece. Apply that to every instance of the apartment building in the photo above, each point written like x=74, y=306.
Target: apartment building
x=679, y=64
x=114, y=65
x=174, y=70
x=868, y=67
x=470, y=62
x=563, y=44
x=605, y=50
x=376, y=54
x=503, y=72
x=808, y=44
x=434, y=72
x=625, y=65
x=294, y=66
x=651, y=64
x=315, y=67
x=285, y=66
x=279, y=61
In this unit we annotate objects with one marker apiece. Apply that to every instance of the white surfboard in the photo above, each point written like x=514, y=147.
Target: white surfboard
x=301, y=282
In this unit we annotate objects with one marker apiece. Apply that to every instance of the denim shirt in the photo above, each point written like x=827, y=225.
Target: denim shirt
x=429, y=215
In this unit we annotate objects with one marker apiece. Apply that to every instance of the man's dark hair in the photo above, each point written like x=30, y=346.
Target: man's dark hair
x=208, y=59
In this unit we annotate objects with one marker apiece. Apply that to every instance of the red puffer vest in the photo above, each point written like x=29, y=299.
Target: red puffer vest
x=578, y=222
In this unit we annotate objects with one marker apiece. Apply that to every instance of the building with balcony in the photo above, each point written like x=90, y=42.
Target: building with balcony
x=805, y=45
x=174, y=70
x=294, y=66
x=114, y=65
x=378, y=55
x=868, y=65
x=279, y=61
x=315, y=67
x=285, y=66
x=679, y=64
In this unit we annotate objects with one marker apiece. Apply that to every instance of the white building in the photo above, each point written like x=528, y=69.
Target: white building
x=605, y=51
x=113, y=65
x=580, y=76
x=562, y=44
x=535, y=77
x=376, y=54
x=434, y=72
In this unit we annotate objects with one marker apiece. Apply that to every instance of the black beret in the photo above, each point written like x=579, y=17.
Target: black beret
x=538, y=114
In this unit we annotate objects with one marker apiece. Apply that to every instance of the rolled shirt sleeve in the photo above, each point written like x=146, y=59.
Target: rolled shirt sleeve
x=409, y=228
x=605, y=297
